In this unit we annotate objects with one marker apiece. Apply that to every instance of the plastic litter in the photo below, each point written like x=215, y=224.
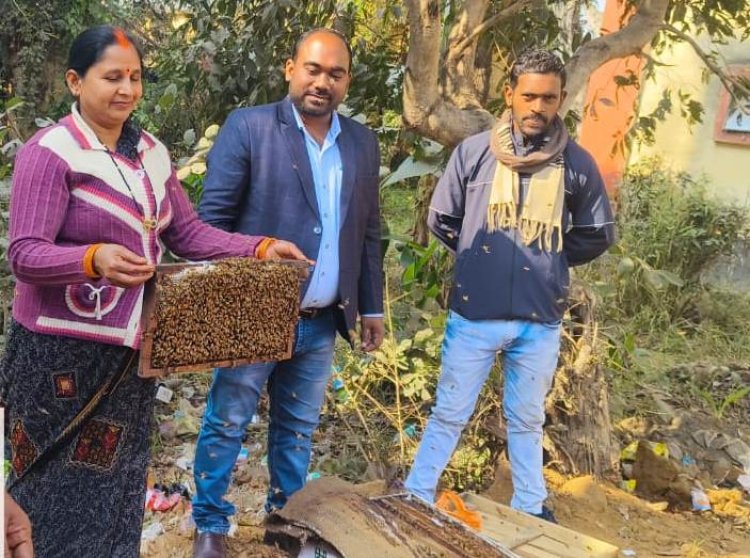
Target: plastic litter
x=164, y=394
x=744, y=482
x=629, y=552
x=151, y=532
x=312, y=476
x=338, y=386
x=452, y=504
x=162, y=498
x=658, y=448
x=700, y=500
x=628, y=452
x=243, y=456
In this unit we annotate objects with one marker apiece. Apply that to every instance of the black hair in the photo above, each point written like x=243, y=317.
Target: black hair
x=89, y=46
x=307, y=34
x=537, y=61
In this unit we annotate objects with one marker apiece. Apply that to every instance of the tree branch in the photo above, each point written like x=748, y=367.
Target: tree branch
x=726, y=80
x=505, y=13
x=460, y=68
x=629, y=40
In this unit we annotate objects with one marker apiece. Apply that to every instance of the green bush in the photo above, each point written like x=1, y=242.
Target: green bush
x=670, y=232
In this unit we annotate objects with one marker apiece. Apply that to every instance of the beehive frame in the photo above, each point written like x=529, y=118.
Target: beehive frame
x=150, y=322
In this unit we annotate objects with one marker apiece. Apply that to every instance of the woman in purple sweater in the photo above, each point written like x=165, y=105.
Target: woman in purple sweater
x=92, y=198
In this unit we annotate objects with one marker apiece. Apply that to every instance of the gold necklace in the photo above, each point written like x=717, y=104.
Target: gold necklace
x=149, y=223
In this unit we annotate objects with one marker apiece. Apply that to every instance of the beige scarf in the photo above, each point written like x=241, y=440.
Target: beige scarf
x=541, y=215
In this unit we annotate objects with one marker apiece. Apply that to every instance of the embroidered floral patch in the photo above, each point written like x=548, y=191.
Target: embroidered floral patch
x=65, y=385
x=97, y=444
x=24, y=450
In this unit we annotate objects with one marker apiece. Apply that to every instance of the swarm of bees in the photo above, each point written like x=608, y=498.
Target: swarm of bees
x=235, y=309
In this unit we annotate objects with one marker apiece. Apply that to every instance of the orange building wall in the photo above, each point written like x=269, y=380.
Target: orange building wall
x=609, y=108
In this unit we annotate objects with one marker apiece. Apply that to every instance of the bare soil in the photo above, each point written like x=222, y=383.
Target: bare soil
x=600, y=510
x=655, y=521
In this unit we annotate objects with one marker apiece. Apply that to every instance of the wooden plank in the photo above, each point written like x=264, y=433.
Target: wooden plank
x=510, y=534
x=556, y=537
x=529, y=551
x=553, y=547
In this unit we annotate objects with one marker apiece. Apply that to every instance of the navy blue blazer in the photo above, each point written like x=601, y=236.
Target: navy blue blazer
x=259, y=181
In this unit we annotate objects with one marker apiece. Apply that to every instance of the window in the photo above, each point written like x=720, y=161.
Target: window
x=732, y=118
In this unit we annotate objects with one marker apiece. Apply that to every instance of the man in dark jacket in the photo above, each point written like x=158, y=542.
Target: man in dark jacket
x=299, y=171
x=518, y=205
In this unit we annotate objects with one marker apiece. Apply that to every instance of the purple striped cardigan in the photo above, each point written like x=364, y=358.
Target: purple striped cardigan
x=66, y=195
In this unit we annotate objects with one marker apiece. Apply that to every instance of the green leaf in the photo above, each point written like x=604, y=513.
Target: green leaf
x=13, y=104
x=410, y=168
x=660, y=279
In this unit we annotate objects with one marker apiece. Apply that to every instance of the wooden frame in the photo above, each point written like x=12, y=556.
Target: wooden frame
x=726, y=104
x=531, y=537
x=149, y=323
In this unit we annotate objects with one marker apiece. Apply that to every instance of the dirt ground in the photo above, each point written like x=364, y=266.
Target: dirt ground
x=596, y=509
x=631, y=523
x=654, y=524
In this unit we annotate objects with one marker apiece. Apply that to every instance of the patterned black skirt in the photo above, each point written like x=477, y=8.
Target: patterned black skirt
x=86, y=498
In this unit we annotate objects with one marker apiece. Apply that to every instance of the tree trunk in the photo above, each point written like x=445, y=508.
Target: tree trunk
x=579, y=437
x=425, y=188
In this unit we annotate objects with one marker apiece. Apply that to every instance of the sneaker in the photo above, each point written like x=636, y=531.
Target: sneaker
x=546, y=514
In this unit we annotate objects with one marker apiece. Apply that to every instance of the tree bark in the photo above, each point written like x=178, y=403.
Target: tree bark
x=425, y=188
x=426, y=109
x=579, y=436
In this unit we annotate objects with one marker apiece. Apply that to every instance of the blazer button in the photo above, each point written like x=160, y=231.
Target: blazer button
x=317, y=230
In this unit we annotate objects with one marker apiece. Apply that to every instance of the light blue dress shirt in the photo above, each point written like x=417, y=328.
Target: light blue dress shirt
x=325, y=162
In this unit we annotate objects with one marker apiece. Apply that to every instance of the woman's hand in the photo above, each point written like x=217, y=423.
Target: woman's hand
x=17, y=531
x=121, y=267
x=282, y=249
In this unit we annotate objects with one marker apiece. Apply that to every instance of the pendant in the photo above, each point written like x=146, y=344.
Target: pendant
x=149, y=224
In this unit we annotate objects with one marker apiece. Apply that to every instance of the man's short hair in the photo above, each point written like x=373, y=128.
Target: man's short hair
x=307, y=34
x=537, y=61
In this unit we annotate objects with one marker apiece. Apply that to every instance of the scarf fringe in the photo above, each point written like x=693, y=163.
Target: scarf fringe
x=501, y=216
x=541, y=233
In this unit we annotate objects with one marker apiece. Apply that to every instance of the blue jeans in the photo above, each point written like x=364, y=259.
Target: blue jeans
x=296, y=389
x=530, y=351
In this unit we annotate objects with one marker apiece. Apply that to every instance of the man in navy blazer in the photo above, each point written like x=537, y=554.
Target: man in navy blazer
x=294, y=170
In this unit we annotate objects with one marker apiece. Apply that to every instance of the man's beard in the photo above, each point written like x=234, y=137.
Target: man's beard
x=304, y=106
x=537, y=132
